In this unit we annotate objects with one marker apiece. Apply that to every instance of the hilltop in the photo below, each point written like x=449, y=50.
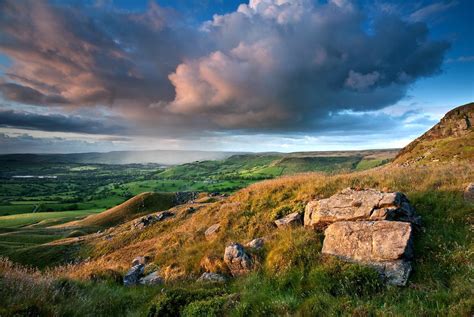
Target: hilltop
x=450, y=140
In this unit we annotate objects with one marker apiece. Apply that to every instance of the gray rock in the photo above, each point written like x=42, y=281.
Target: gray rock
x=469, y=193
x=212, y=231
x=351, y=205
x=151, y=279
x=148, y=220
x=134, y=275
x=384, y=245
x=256, y=243
x=237, y=260
x=293, y=219
x=211, y=277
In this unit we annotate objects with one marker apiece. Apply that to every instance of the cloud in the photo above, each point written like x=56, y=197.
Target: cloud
x=60, y=123
x=430, y=10
x=271, y=66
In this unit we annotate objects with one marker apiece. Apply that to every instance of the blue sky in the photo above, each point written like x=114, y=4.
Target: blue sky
x=294, y=75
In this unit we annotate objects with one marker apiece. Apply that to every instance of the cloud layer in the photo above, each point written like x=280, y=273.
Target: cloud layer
x=270, y=66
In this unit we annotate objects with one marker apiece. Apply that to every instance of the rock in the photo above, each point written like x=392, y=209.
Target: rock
x=384, y=245
x=212, y=231
x=369, y=240
x=293, y=219
x=151, y=279
x=214, y=264
x=256, y=243
x=211, y=277
x=394, y=272
x=134, y=275
x=469, y=193
x=237, y=260
x=350, y=204
x=147, y=220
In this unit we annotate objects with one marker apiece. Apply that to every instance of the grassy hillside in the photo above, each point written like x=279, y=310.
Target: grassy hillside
x=139, y=205
x=292, y=277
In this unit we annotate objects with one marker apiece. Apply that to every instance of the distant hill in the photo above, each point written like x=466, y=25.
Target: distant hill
x=139, y=205
x=452, y=139
x=164, y=157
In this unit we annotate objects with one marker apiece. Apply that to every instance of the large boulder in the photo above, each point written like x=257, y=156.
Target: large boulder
x=384, y=245
x=291, y=220
x=134, y=275
x=237, y=260
x=469, y=193
x=351, y=205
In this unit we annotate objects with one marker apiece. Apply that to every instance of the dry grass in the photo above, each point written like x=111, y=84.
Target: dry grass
x=179, y=242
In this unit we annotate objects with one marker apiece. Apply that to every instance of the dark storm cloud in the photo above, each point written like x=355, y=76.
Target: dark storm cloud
x=59, y=123
x=270, y=66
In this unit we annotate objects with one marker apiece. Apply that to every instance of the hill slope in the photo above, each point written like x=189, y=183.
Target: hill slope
x=139, y=205
x=452, y=139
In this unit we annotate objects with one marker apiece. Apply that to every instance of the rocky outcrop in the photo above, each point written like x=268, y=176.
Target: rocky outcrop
x=351, y=205
x=469, y=193
x=256, y=243
x=237, y=260
x=368, y=227
x=134, y=275
x=212, y=231
x=291, y=220
x=211, y=277
x=148, y=220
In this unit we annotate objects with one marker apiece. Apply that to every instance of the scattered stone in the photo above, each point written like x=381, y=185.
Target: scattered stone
x=151, y=279
x=256, y=243
x=147, y=220
x=237, y=260
x=134, y=275
x=212, y=231
x=469, y=193
x=293, y=219
x=211, y=277
x=351, y=205
x=384, y=245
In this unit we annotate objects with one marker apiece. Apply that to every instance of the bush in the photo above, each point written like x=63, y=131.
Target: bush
x=205, y=308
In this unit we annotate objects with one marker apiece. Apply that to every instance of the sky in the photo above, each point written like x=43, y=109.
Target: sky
x=228, y=75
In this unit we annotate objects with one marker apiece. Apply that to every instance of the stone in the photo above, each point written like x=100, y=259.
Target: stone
x=212, y=231
x=368, y=241
x=351, y=205
x=151, y=279
x=181, y=198
x=134, y=275
x=148, y=220
x=256, y=243
x=237, y=260
x=469, y=193
x=211, y=277
x=291, y=220
x=383, y=245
